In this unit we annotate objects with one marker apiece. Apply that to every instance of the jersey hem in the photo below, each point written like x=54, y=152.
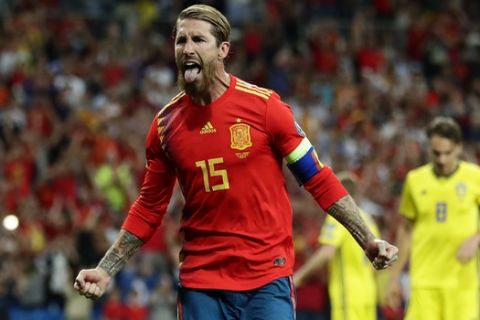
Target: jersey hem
x=235, y=285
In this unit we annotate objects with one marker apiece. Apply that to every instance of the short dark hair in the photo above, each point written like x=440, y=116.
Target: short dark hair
x=220, y=25
x=445, y=127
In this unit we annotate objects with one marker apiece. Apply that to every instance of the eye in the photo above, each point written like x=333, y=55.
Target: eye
x=198, y=39
x=180, y=40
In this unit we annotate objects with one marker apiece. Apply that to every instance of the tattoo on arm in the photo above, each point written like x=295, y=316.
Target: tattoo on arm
x=120, y=252
x=346, y=212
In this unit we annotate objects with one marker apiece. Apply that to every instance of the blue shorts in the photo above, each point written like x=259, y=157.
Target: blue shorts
x=273, y=301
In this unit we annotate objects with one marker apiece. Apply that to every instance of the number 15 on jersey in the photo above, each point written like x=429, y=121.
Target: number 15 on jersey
x=209, y=171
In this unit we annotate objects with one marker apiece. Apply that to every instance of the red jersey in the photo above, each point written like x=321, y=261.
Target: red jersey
x=227, y=156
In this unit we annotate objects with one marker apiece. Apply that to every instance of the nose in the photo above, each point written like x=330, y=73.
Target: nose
x=188, y=47
x=442, y=159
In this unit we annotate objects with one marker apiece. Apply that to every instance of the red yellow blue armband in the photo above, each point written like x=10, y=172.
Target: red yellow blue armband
x=303, y=162
x=317, y=178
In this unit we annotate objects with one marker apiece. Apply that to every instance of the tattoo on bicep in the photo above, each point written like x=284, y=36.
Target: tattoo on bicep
x=120, y=252
x=346, y=212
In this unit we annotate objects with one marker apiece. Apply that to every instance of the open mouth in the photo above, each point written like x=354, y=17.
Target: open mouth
x=191, y=71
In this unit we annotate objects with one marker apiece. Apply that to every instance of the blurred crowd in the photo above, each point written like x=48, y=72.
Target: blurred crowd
x=80, y=82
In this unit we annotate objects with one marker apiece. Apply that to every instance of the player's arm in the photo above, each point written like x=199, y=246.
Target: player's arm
x=92, y=283
x=403, y=242
x=144, y=216
x=468, y=249
x=126, y=245
x=381, y=253
x=408, y=213
x=321, y=256
x=321, y=182
x=330, y=194
x=347, y=213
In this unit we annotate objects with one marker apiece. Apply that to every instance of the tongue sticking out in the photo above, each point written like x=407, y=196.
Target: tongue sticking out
x=191, y=75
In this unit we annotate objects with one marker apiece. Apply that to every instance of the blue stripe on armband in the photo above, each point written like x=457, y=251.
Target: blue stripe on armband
x=306, y=166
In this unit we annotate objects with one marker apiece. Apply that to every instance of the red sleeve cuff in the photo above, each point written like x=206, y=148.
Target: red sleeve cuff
x=141, y=222
x=325, y=188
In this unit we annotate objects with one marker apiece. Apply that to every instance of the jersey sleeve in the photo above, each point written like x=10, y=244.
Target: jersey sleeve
x=302, y=160
x=285, y=133
x=407, y=206
x=147, y=212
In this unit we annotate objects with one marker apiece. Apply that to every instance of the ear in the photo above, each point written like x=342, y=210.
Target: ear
x=223, y=50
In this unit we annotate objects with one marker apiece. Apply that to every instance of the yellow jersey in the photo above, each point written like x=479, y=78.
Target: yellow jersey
x=444, y=212
x=351, y=280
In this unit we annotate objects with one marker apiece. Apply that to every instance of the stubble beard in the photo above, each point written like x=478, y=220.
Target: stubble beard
x=445, y=169
x=201, y=86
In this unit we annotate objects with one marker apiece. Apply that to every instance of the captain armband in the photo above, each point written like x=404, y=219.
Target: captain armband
x=303, y=162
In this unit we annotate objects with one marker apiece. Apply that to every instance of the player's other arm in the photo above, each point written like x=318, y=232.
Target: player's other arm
x=346, y=212
x=92, y=283
x=321, y=256
x=144, y=216
x=467, y=251
x=330, y=194
x=288, y=138
x=403, y=242
x=381, y=253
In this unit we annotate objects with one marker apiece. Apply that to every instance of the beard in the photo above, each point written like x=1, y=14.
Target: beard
x=444, y=169
x=201, y=86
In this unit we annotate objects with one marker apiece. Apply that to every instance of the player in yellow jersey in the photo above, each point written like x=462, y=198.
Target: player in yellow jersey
x=440, y=232
x=351, y=281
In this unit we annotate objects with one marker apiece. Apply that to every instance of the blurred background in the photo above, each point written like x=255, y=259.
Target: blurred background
x=80, y=82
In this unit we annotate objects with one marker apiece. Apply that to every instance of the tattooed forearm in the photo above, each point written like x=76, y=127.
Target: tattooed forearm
x=120, y=252
x=346, y=212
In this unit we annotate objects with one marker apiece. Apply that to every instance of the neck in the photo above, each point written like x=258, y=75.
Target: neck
x=446, y=173
x=219, y=85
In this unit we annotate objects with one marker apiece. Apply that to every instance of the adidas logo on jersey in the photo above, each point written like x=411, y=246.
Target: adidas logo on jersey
x=207, y=128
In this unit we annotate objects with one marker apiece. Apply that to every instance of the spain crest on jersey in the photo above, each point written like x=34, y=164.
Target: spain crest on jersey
x=240, y=136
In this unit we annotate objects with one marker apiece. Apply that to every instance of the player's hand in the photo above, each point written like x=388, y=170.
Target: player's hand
x=393, y=294
x=297, y=280
x=381, y=253
x=92, y=283
x=468, y=249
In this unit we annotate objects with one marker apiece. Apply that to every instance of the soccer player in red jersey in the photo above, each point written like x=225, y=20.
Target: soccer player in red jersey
x=224, y=140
